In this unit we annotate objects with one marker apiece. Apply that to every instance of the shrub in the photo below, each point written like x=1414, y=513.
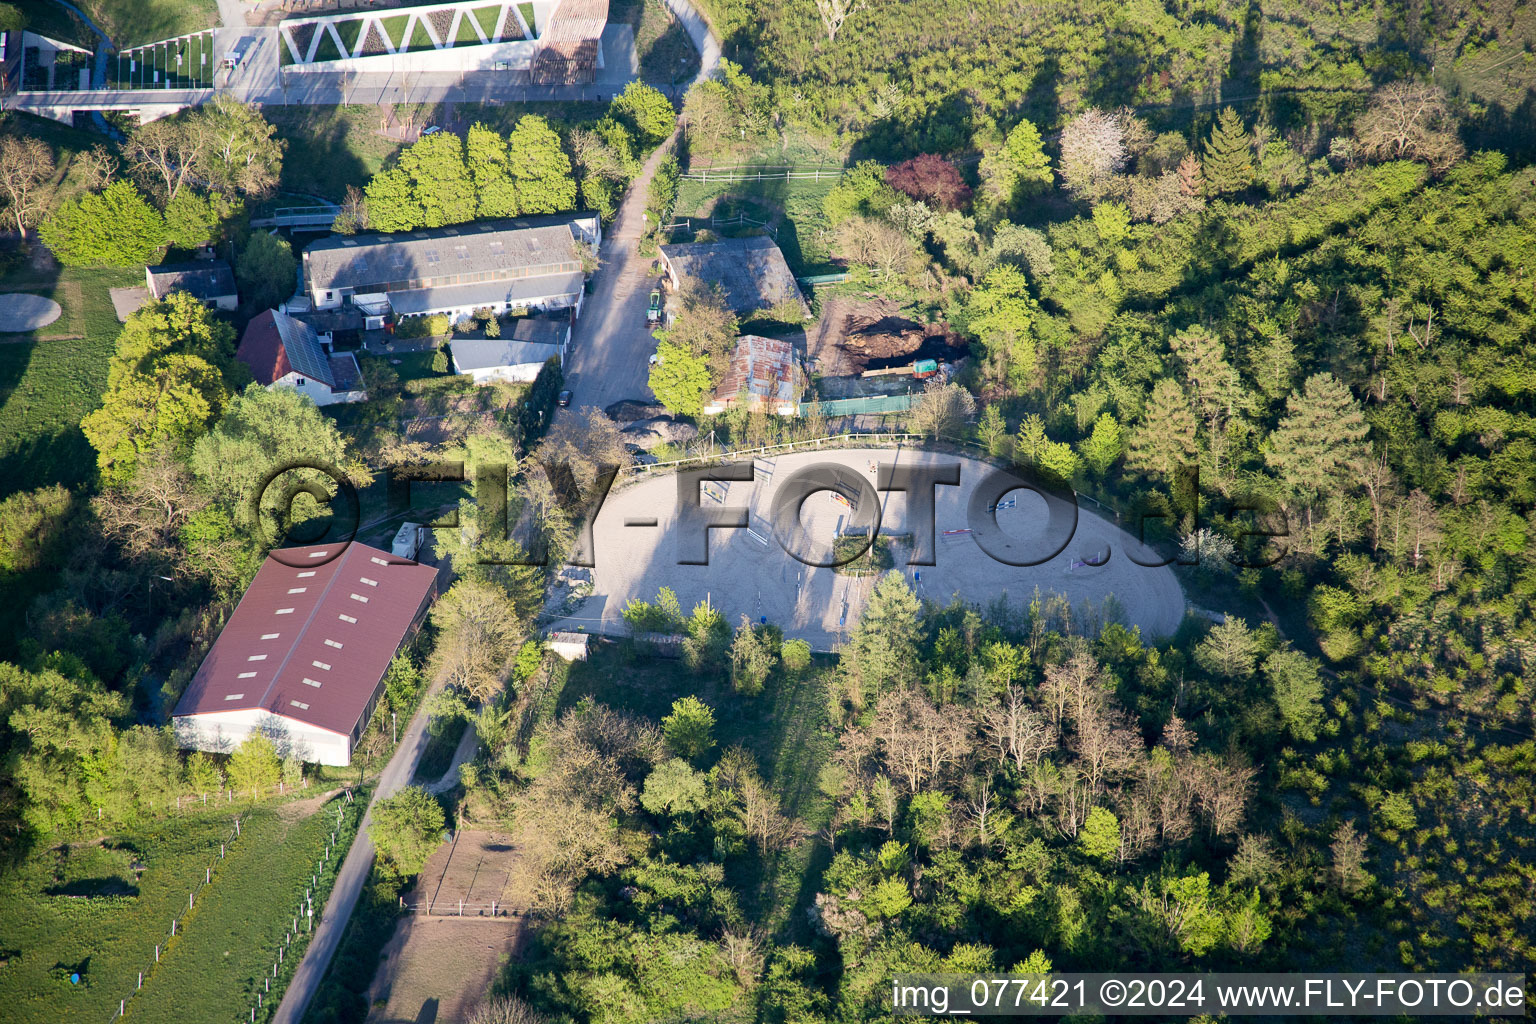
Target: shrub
x=423, y=326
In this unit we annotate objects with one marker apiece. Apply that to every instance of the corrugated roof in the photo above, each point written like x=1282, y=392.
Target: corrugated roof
x=488, y=246
x=762, y=370
x=312, y=636
x=276, y=344
x=206, y=279
x=486, y=293
x=751, y=270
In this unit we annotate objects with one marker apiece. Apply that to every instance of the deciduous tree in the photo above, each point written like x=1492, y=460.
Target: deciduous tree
x=254, y=766
x=930, y=178
x=1093, y=152
x=115, y=227
x=267, y=271
x=406, y=828
x=495, y=191
x=26, y=180
x=1016, y=168
x=1410, y=121
x=540, y=168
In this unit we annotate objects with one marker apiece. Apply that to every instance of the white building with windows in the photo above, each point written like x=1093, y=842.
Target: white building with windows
x=532, y=263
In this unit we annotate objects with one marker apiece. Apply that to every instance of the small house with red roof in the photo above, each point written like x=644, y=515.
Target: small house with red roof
x=284, y=352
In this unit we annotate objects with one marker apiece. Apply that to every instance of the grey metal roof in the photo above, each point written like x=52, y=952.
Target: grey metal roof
x=751, y=270
x=484, y=354
x=303, y=348
x=206, y=279
x=486, y=293
x=353, y=261
x=540, y=331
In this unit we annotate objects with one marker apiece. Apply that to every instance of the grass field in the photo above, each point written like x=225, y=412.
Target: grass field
x=132, y=22
x=791, y=205
x=50, y=380
x=51, y=924
x=785, y=727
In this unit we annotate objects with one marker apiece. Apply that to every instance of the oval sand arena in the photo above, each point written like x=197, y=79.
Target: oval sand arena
x=751, y=573
x=21, y=312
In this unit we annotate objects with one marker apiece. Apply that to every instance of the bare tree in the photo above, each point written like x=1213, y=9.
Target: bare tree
x=942, y=409
x=26, y=180
x=1221, y=789
x=1017, y=731
x=917, y=740
x=1348, y=849
x=94, y=169
x=835, y=12
x=759, y=807
x=744, y=952
x=1073, y=689
x=877, y=244
x=506, y=1010
x=165, y=153
x=1410, y=121
x=146, y=514
x=353, y=214
x=1093, y=151
x=1107, y=745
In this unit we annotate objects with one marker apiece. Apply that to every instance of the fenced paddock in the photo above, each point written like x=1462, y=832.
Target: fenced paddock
x=467, y=877
x=104, y=909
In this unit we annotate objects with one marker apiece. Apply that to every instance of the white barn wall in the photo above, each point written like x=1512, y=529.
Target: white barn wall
x=221, y=732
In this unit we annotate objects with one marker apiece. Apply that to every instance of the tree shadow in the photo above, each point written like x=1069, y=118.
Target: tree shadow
x=1512, y=131
x=1244, y=65
x=945, y=127
x=1042, y=100
x=321, y=158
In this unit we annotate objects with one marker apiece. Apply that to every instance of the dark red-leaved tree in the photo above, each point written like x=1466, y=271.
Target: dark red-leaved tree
x=930, y=178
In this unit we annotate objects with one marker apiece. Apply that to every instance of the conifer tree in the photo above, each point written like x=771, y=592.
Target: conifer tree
x=1323, y=432
x=1228, y=163
x=1165, y=439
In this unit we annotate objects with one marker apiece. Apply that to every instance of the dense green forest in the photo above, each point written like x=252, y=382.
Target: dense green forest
x=896, y=79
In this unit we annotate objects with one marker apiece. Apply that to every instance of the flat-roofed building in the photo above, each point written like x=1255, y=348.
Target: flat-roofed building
x=500, y=265
x=302, y=658
x=518, y=358
x=209, y=281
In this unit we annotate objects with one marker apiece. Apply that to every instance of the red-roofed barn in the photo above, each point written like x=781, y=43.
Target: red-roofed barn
x=303, y=657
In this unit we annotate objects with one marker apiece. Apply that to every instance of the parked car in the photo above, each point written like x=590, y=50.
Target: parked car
x=563, y=399
x=430, y=129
